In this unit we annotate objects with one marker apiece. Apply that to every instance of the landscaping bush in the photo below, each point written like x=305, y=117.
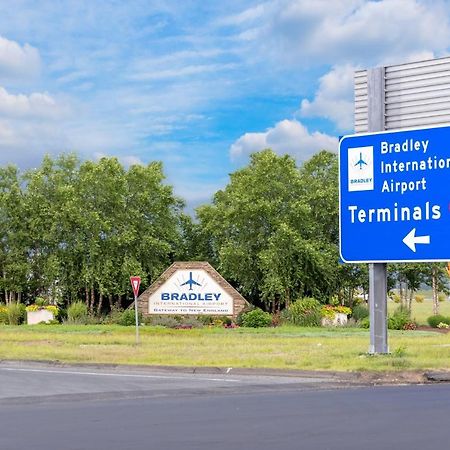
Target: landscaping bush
x=206, y=320
x=77, y=313
x=285, y=315
x=399, y=319
x=3, y=315
x=256, y=319
x=411, y=325
x=191, y=322
x=62, y=315
x=241, y=315
x=419, y=298
x=128, y=318
x=16, y=313
x=40, y=302
x=162, y=321
x=364, y=323
x=434, y=321
x=442, y=297
x=360, y=312
x=228, y=321
x=305, y=312
x=351, y=323
x=114, y=316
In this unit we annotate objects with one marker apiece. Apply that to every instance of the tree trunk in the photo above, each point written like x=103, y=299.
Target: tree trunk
x=435, y=292
x=91, y=306
x=411, y=293
x=6, y=290
x=100, y=304
x=400, y=292
x=110, y=300
x=86, y=296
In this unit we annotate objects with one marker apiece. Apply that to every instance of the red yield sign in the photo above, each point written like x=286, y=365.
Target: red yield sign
x=135, y=283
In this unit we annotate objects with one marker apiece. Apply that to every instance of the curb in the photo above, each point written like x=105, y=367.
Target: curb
x=344, y=378
x=438, y=377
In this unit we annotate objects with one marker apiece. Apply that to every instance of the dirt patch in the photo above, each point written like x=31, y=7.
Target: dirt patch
x=437, y=330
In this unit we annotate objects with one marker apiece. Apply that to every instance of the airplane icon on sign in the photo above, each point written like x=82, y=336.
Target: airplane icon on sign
x=361, y=162
x=190, y=282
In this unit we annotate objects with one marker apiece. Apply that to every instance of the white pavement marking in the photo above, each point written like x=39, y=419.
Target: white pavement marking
x=99, y=374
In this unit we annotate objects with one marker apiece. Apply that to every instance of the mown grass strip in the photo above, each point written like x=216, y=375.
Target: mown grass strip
x=282, y=348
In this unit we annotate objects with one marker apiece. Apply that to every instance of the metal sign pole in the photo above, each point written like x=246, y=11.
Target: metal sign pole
x=136, y=318
x=378, y=271
x=135, y=283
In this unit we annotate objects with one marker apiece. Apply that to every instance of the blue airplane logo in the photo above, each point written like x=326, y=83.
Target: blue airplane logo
x=190, y=282
x=360, y=162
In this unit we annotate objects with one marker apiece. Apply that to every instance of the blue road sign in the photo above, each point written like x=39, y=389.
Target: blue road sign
x=394, y=190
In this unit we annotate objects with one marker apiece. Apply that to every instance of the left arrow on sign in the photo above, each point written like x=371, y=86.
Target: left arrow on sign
x=411, y=240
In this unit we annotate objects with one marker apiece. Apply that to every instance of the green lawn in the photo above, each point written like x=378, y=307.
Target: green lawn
x=421, y=311
x=283, y=347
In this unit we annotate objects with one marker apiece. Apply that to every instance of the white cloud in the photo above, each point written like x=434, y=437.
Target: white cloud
x=186, y=71
x=252, y=14
x=198, y=192
x=287, y=136
x=35, y=105
x=18, y=61
x=334, y=98
x=30, y=125
x=352, y=31
x=25, y=142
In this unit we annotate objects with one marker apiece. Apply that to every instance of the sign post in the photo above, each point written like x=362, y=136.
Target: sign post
x=376, y=93
x=394, y=204
x=394, y=197
x=135, y=283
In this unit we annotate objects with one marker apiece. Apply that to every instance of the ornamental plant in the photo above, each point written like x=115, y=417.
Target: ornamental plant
x=434, y=321
x=3, y=314
x=329, y=311
x=52, y=308
x=401, y=320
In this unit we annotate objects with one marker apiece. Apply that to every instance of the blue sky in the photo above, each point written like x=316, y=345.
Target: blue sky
x=198, y=85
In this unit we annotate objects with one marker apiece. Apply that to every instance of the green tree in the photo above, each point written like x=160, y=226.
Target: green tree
x=13, y=245
x=264, y=233
x=72, y=229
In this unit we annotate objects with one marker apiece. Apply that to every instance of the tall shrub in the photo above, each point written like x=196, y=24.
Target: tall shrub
x=16, y=313
x=305, y=312
x=77, y=312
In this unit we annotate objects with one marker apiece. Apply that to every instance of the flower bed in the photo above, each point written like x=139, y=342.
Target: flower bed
x=41, y=314
x=334, y=315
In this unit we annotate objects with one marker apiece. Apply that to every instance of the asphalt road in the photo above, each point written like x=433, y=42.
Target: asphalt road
x=45, y=407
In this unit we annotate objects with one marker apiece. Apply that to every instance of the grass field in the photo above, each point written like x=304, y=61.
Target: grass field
x=283, y=347
x=421, y=311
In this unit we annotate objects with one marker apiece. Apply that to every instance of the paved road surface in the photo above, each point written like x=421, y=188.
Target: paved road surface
x=87, y=409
